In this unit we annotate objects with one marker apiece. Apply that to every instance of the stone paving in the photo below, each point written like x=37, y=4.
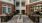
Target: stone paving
x=25, y=19
x=0, y=20
x=40, y=20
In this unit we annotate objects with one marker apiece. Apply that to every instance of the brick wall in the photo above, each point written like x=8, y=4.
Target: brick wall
x=27, y=9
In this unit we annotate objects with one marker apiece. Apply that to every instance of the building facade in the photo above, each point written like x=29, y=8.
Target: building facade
x=20, y=6
x=25, y=6
x=6, y=6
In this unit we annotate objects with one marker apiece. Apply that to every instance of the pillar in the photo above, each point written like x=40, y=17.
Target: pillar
x=27, y=9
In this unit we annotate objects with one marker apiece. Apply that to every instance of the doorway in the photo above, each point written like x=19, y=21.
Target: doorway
x=17, y=11
x=23, y=11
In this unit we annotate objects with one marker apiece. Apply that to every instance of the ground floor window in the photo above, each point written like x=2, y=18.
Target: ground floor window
x=9, y=8
x=6, y=8
x=22, y=11
x=17, y=11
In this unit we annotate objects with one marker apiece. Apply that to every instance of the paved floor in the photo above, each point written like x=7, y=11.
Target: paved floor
x=0, y=20
x=40, y=20
x=25, y=19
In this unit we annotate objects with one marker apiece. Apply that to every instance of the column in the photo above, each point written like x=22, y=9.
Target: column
x=20, y=6
x=27, y=9
x=27, y=6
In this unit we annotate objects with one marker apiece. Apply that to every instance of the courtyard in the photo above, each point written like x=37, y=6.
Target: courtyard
x=26, y=19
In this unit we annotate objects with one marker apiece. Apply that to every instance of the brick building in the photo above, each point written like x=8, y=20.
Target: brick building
x=25, y=6
x=6, y=6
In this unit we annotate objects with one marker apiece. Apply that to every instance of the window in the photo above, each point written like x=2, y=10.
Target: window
x=14, y=2
x=9, y=8
x=4, y=9
x=23, y=3
x=17, y=3
x=36, y=7
x=41, y=8
x=31, y=8
x=17, y=11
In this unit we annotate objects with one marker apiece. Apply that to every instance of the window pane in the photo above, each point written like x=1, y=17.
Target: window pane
x=9, y=9
x=23, y=3
x=17, y=3
x=4, y=9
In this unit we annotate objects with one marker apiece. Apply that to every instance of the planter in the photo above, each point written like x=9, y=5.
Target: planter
x=34, y=18
x=5, y=18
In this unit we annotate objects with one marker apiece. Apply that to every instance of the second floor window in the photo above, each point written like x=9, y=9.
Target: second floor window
x=9, y=0
x=4, y=9
x=17, y=3
x=23, y=3
x=9, y=8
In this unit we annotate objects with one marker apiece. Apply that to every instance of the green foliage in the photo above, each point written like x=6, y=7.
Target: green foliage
x=40, y=16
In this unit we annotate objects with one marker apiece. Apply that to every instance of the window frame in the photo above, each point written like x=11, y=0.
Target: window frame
x=3, y=5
